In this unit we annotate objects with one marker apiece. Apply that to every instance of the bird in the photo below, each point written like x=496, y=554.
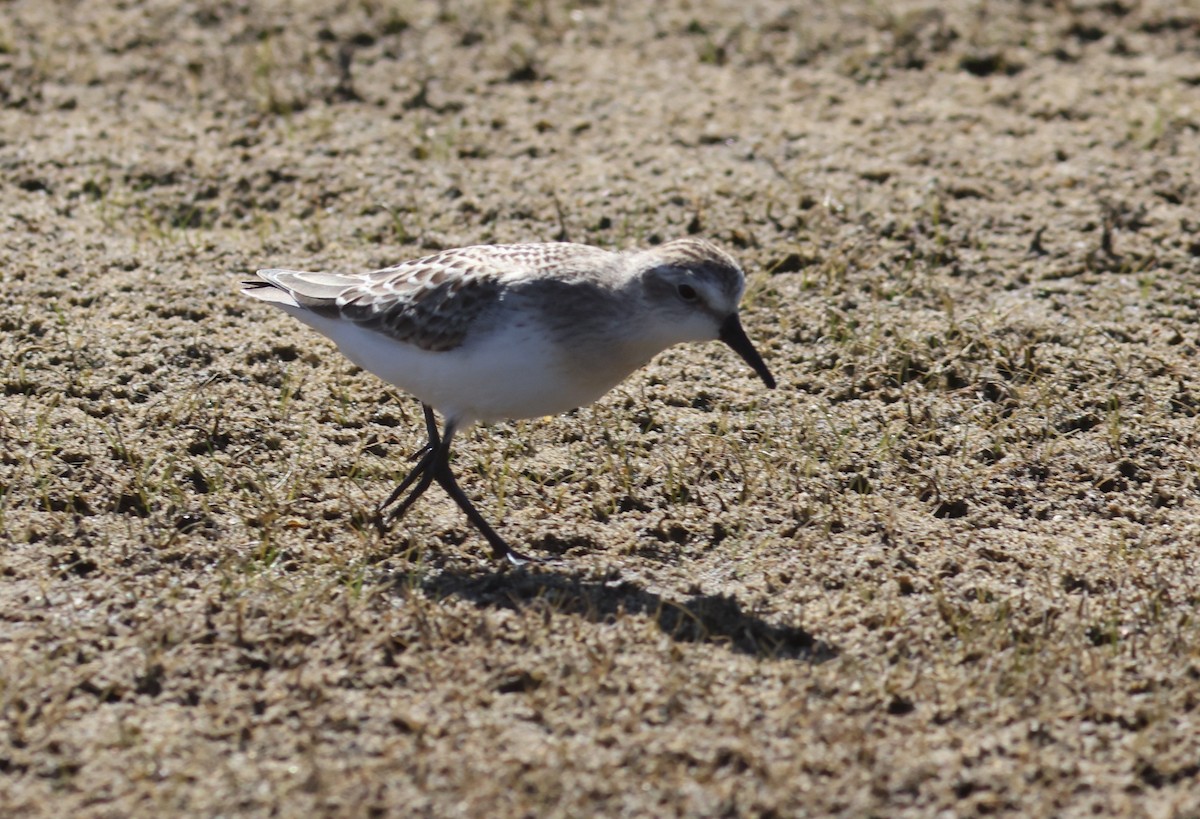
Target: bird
x=491, y=332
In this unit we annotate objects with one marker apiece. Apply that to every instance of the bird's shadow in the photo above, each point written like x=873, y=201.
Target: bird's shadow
x=703, y=618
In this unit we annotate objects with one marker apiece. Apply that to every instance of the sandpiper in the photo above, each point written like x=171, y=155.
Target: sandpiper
x=489, y=332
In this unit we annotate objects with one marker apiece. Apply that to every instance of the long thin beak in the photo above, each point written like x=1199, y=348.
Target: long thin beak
x=733, y=335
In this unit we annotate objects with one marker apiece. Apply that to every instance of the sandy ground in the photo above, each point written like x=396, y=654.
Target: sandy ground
x=949, y=565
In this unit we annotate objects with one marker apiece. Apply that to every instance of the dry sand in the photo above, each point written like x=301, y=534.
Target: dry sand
x=950, y=565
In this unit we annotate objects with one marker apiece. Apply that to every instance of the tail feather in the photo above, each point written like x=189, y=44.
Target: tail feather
x=269, y=291
x=315, y=291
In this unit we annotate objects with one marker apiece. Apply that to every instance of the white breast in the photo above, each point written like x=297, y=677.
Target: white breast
x=512, y=372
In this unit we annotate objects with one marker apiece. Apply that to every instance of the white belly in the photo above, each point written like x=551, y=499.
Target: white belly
x=512, y=373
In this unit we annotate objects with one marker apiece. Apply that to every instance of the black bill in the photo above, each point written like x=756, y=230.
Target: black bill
x=733, y=335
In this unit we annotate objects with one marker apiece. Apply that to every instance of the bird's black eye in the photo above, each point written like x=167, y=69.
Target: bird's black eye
x=686, y=292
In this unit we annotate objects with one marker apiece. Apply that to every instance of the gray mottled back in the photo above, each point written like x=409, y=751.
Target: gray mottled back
x=435, y=302
x=432, y=302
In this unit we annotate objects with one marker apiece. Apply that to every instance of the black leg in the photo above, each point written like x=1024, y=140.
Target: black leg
x=427, y=454
x=445, y=478
x=431, y=425
x=435, y=465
